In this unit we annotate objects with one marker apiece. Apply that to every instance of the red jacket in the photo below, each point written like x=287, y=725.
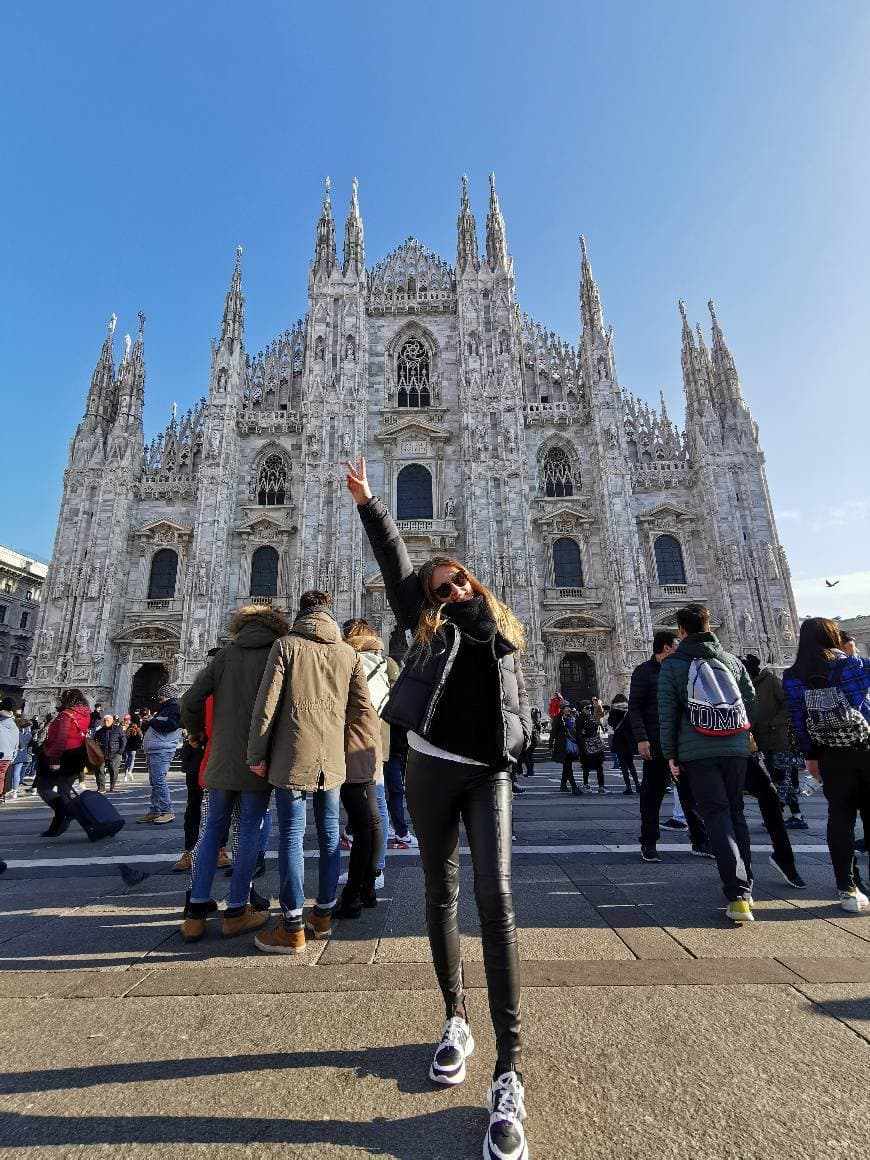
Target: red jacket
x=556, y=703
x=67, y=731
x=209, y=718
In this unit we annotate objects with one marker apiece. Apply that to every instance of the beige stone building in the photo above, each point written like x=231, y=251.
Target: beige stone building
x=21, y=581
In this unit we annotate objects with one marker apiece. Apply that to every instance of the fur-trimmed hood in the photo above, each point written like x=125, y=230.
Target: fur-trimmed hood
x=256, y=625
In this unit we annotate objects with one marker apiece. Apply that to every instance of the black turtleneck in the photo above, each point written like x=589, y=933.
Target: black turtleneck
x=468, y=719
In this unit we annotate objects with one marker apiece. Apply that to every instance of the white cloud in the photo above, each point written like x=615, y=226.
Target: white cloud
x=851, y=597
x=853, y=511
x=787, y=514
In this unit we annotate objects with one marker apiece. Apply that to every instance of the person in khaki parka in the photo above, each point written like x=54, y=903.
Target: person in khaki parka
x=314, y=686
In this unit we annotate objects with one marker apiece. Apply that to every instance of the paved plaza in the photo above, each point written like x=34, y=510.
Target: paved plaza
x=653, y=1027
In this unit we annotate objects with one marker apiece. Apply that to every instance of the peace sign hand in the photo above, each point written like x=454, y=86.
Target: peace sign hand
x=357, y=483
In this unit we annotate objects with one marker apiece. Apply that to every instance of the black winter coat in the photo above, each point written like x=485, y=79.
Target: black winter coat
x=623, y=739
x=112, y=740
x=415, y=695
x=643, y=704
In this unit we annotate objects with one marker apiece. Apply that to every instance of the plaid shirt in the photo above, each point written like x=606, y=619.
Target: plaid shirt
x=850, y=674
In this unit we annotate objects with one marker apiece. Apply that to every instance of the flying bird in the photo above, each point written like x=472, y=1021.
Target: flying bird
x=832, y=583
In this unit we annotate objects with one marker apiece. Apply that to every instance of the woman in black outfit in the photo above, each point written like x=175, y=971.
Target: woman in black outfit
x=623, y=741
x=462, y=698
x=591, y=744
x=565, y=748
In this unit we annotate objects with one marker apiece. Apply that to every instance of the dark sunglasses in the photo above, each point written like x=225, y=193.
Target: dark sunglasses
x=443, y=591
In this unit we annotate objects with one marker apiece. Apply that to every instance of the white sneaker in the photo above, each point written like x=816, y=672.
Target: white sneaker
x=379, y=881
x=853, y=901
x=457, y=1043
x=407, y=842
x=14, y=794
x=342, y=879
x=505, y=1136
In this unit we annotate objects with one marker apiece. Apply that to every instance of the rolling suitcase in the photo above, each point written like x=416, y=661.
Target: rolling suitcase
x=95, y=814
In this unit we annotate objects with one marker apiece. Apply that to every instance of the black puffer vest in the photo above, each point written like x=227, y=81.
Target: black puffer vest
x=415, y=697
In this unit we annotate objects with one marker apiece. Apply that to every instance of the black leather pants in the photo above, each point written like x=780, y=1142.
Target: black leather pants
x=439, y=793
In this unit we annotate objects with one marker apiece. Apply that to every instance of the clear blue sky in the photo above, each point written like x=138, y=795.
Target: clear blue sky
x=704, y=150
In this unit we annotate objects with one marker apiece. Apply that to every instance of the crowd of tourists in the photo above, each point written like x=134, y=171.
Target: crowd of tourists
x=292, y=712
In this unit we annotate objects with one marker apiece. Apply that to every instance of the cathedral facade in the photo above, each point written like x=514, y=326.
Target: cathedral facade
x=492, y=439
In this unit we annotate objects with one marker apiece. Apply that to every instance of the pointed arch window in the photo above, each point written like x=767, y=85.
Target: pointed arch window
x=414, y=493
x=669, y=560
x=164, y=571
x=412, y=375
x=557, y=476
x=264, y=572
x=272, y=481
x=567, y=564
x=16, y=665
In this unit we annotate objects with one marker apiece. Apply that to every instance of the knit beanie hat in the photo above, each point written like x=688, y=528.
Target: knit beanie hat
x=167, y=692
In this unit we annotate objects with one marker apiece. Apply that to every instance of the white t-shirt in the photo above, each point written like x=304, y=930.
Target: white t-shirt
x=421, y=745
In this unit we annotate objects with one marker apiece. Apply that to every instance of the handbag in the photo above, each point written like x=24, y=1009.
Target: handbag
x=595, y=745
x=94, y=752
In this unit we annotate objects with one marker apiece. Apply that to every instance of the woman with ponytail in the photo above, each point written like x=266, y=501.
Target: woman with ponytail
x=462, y=698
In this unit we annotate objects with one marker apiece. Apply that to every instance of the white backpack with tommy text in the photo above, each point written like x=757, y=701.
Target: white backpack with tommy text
x=715, y=704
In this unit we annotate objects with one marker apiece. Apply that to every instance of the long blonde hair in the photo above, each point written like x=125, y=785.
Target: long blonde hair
x=432, y=614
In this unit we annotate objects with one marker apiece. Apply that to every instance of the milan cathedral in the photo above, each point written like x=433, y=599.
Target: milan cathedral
x=492, y=439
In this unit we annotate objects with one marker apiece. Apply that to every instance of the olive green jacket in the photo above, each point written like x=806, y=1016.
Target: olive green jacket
x=233, y=678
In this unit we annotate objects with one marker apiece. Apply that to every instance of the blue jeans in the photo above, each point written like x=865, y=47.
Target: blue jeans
x=158, y=767
x=290, y=807
x=395, y=786
x=17, y=773
x=252, y=809
x=385, y=821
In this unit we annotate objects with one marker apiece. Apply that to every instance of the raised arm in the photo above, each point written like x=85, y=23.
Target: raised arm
x=402, y=584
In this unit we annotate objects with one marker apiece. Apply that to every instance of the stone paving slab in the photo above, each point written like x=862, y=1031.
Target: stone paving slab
x=848, y=1002
x=345, y=1076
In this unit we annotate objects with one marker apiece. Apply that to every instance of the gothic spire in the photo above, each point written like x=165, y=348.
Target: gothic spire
x=325, y=256
x=591, y=314
x=102, y=386
x=233, y=322
x=466, y=234
x=496, y=243
x=131, y=380
x=727, y=380
x=354, y=242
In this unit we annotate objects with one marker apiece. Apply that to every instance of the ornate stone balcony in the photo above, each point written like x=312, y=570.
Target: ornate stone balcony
x=668, y=593
x=255, y=421
x=659, y=474
x=162, y=606
x=557, y=598
x=438, y=535
x=555, y=414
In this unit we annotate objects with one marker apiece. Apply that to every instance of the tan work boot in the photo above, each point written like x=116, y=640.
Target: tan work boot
x=281, y=941
x=183, y=863
x=163, y=819
x=223, y=862
x=192, y=929
x=245, y=922
x=320, y=925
